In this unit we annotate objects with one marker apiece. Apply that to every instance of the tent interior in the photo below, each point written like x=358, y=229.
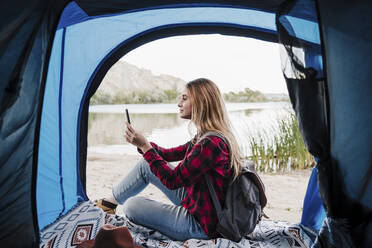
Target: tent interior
x=55, y=55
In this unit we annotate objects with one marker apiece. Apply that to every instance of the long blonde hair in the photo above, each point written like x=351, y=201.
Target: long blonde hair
x=208, y=113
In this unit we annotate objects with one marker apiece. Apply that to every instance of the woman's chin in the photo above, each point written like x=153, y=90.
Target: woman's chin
x=184, y=116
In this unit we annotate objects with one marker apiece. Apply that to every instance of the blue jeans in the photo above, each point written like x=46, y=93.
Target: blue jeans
x=173, y=221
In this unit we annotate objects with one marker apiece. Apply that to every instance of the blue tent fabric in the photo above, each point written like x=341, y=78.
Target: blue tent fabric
x=45, y=88
x=313, y=212
x=304, y=75
x=345, y=185
x=71, y=15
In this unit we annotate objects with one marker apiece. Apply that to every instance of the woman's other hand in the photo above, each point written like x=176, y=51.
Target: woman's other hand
x=136, y=139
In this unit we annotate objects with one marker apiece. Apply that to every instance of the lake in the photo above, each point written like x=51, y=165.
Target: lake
x=161, y=124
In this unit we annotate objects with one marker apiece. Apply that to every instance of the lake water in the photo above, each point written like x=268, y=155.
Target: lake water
x=161, y=124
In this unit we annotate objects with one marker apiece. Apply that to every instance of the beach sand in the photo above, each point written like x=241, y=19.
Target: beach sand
x=285, y=191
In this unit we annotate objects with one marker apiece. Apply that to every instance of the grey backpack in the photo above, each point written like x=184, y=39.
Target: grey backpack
x=244, y=202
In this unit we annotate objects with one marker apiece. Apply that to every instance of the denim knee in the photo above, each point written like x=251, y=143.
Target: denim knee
x=144, y=169
x=132, y=207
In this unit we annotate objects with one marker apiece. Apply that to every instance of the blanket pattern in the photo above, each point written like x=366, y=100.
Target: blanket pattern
x=84, y=220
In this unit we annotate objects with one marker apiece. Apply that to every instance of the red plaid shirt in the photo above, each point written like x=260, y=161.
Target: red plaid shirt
x=209, y=156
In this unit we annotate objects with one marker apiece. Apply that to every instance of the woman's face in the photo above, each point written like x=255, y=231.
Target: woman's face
x=185, y=105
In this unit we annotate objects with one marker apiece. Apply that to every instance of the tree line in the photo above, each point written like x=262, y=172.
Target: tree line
x=168, y=96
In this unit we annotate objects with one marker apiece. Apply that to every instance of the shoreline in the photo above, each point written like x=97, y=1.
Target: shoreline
x=285, y=191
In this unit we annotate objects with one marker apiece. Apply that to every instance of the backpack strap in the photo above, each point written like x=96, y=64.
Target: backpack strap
x=212, y=192
x=216, y=203
x=213, y=133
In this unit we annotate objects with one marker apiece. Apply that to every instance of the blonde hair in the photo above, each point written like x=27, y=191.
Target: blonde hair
x=208, y=113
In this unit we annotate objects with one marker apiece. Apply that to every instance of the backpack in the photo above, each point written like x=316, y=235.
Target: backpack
x=244, y=202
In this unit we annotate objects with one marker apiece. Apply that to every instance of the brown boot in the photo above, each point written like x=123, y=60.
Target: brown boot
x=106, y=206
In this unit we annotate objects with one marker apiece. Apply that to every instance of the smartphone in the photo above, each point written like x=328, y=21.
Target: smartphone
x=127, y=114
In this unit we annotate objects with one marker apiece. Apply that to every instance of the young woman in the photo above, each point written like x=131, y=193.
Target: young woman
x=193, y=214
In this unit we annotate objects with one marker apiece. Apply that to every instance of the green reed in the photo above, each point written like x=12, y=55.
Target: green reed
x=280, y=149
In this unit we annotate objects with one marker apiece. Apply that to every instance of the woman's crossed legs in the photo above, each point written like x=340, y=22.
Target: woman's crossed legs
x=172, y=220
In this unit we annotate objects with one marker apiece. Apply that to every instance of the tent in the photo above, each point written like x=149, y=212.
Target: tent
x=54, y=54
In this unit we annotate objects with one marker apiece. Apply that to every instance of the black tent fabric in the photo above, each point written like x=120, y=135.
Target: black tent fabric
x=333, y=109
x=345, y=182
x=334, y=119
x=27, y=29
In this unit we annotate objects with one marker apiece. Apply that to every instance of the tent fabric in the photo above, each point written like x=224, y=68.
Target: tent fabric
x=24, y=43
x=303, y=71
x=309, y=94
x=346, y=185
x=327, y=72
x=71, y=15
x=313, y=213
x=344, y=170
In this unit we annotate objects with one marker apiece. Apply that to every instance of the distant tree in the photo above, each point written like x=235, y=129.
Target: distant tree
x=172, y=94
x=101, y=98
x=247, y=95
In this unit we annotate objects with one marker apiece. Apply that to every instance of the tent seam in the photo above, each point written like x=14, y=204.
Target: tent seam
x=60, y=119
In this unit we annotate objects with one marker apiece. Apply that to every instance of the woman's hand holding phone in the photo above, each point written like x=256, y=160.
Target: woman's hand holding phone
x=134, y=137
x=127, y=115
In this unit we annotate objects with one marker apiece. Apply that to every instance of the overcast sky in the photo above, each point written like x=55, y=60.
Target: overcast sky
x=233, y=63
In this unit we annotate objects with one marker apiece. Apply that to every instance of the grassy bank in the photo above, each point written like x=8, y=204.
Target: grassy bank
x=280, y=149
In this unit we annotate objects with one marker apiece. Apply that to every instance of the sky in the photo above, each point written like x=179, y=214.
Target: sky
x=233, y=63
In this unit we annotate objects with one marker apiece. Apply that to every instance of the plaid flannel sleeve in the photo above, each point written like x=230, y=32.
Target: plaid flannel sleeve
x=198, y=161
x=169, y=154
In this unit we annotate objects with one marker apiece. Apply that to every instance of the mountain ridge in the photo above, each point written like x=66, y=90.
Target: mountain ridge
x=128, y=78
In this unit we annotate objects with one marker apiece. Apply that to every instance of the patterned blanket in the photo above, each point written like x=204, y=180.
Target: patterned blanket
x=83, y=222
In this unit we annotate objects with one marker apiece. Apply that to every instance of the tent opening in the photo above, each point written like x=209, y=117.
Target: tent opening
x=85, y=48
x=148, y=81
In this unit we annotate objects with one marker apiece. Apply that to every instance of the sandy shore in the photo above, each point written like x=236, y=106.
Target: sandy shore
x=285, y=191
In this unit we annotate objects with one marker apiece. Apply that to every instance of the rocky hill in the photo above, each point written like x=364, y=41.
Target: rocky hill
x=124, y=80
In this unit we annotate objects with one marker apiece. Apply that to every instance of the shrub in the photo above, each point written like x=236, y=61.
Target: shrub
x=283, y=150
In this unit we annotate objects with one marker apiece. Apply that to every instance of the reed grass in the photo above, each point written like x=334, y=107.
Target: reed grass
x=281, y=148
